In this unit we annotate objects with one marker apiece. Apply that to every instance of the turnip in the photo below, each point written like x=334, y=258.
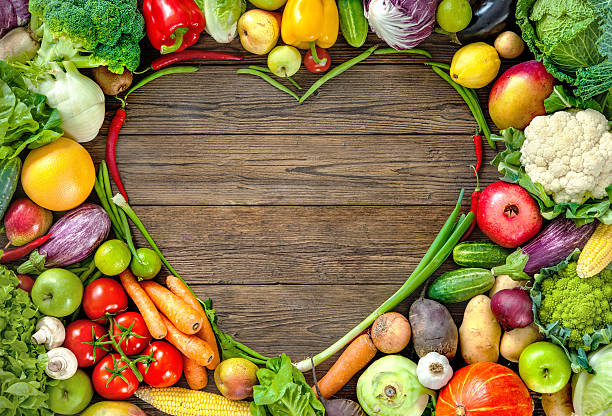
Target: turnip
x=18, y=45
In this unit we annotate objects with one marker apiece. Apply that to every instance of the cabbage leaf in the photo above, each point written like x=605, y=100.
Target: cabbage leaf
x=573, y=39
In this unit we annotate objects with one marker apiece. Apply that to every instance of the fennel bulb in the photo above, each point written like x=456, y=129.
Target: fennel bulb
x=79, y=100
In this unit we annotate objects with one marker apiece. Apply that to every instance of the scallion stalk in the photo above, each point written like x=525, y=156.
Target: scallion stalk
x=438, y=252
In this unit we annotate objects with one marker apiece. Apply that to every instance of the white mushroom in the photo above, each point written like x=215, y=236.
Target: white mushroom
x=62, y=363
x=49, y=331
x=434, y=371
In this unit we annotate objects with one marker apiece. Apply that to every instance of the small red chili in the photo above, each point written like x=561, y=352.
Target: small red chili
x=474, y=200
x=188, y=54
x=20, y=252
x=478, y=150
x=111, y=144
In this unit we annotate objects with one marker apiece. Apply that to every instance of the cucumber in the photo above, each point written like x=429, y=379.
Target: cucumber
x=353, y=23
x=9, y=177
x=485, y=254
x=462, y=284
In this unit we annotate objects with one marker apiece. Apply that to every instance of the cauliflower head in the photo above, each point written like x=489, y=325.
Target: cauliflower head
x=581, y=305
x=570, y=154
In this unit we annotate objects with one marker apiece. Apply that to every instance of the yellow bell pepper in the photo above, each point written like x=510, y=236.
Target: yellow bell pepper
x=306, y=21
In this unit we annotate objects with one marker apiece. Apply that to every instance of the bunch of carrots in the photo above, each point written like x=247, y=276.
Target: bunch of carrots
x=174, y=313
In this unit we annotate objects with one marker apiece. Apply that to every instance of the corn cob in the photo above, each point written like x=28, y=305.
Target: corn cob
x=184, y=402
x=597, y=252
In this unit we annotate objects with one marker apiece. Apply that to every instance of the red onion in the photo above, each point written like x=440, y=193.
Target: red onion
x=512, y=308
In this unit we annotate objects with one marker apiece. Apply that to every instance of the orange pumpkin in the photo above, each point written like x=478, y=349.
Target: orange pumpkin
x=485, y=389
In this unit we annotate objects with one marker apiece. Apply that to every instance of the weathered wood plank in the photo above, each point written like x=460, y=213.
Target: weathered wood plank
x=298, y=170
x=293, y=245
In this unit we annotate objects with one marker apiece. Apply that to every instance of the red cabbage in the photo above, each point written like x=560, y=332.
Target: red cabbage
x=13, y=13
x=403, y=24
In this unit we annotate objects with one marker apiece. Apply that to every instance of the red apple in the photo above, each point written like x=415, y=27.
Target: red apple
x=508, y=215
x=518, y=95
x=25, y=221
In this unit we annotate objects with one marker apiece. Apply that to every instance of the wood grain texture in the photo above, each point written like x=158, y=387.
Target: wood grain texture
x=296, y=170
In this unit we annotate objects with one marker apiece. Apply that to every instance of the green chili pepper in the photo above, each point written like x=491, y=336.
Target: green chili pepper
x=337, y=71
x=269, y=80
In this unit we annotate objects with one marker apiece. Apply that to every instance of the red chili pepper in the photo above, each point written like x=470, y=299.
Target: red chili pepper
x=173, y=25
x=111, y=144
x=478, y=149
x=175, y=57
x=20, y=252
x=474, y=200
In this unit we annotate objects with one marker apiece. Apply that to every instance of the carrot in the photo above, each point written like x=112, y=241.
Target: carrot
x=191, y=346
x=145, y=305
x=195, y=374
x=356, y=356
x=186, y=319
x=179, y=288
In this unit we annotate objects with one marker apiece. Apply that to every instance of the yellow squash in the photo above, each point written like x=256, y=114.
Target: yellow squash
x=307, y=21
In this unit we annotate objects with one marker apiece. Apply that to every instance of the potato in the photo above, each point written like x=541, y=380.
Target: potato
x=479, y=332
x=559, y=403
x=504, y=281
x=509, y=45
x=514, y=342
x=111, y=83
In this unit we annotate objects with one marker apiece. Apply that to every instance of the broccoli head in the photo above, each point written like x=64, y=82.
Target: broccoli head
x=89, y=32
x=581, y=305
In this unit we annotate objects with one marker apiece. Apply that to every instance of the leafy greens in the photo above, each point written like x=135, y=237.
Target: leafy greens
x=25, y=118
x=22, y=363
x=283, y=391
x=573, y=39
x=508, y=163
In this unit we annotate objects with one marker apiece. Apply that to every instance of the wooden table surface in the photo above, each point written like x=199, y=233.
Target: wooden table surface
x=298, y=220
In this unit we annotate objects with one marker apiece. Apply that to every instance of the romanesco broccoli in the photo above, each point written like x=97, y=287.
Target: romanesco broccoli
x=581, y=305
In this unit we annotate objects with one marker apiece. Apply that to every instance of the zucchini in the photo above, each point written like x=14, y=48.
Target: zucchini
x=9, y=177
x=461, y=284
x=353, y=23
x=485, y=254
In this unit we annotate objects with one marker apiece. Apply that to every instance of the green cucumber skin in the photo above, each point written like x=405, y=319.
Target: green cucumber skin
x=353, y=23
x=484, y=254
x=461, y=284
x=9, y=177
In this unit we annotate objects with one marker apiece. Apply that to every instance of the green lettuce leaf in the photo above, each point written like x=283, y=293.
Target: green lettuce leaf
x=283, y=391
x=509, y=165
x=22, y=364
x=222, y=18
x=26, y=121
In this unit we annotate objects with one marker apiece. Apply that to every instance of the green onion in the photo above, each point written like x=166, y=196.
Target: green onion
x=438, y=252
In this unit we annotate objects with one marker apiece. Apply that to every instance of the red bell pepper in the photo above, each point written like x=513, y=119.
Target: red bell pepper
x=173, y=25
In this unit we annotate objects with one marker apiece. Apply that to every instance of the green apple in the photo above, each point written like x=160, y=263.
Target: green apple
x=544, y=367
x=71, y=396
x=268, y=4
x=284, y=61
x=57, y=292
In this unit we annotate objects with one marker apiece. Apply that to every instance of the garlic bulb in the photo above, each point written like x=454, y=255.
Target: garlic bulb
x=434, y=371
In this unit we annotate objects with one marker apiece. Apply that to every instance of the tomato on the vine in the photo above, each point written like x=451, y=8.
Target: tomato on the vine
x=167, y=367
x=113, y=379
x=104, y=296
x=314, y=67
x=83, y=338
x=130, y=331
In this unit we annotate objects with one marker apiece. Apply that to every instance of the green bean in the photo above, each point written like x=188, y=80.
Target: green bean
x=337, y=71
x=462, y=92
x=102, y=196
x=108, y=191
x=388, y=51
x=263, y=69
x=439, y=65
x=160, y=73
x=269, y=80
x=481, y=117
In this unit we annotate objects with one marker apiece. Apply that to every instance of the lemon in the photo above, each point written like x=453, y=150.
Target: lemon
x=475, y=65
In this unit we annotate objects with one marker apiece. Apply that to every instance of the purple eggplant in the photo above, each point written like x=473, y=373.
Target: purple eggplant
x=75, y=236
x=552, y=245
